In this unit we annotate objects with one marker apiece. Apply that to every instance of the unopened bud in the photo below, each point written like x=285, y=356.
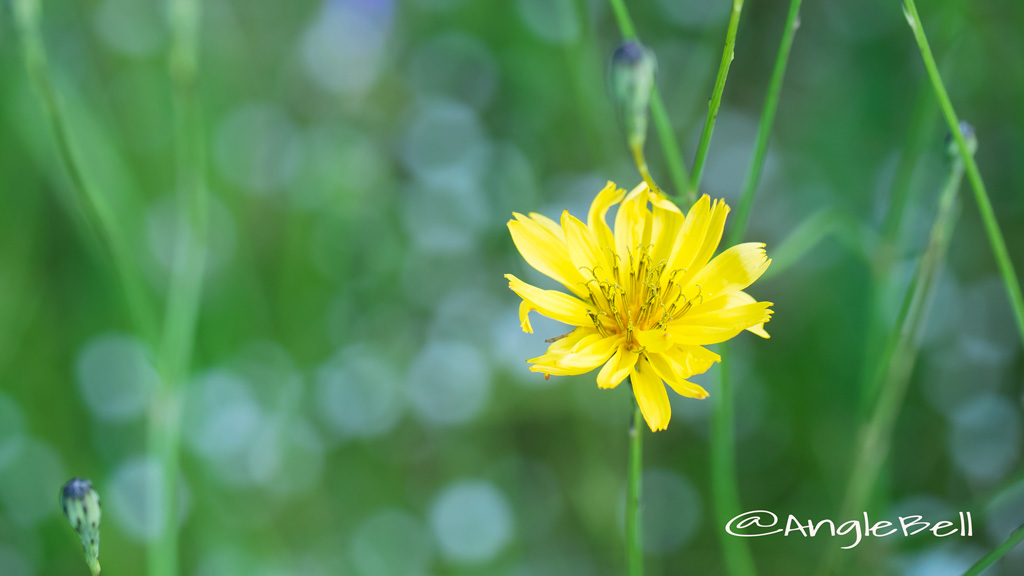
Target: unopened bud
x=631, y=80
x=81, y=506
x=972, y=141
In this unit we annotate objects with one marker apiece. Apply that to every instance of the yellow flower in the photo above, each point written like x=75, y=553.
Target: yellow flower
x=646, y=298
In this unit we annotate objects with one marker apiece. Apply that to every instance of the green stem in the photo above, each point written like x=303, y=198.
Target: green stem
x=991, y=558
x=634, y=551
x=182, y=310
x=995, y=235
x=893, y=374
x=723, y=450
x=99, y=215
x=662, y=124
x=725, y=490
x=716, y=96
x=771, y=104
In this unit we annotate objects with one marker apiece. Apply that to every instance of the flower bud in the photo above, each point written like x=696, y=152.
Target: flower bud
x=972, y=141
x=81, y=506
x=631, y=79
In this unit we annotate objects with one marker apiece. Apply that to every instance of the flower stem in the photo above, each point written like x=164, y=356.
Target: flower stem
x=764, y=129
x=99, y=215
x=662, y=124
x=723, y=450
x=893, y=374
x=995, y=235
x=634, y=552
x=725, y=489
x=1015, y=538
x=716, y=97
x=182, y=309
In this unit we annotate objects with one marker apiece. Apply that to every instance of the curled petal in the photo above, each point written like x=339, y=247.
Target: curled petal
x=550, y=303
x=597, y=219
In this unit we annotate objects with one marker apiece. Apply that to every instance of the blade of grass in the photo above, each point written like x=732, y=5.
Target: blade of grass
x=995, y=235
x=1000, y=551
x=659, y=117
x=893, y=375
x=182, y=307
x=724, y=483
x=99, y=215
x=716, y=97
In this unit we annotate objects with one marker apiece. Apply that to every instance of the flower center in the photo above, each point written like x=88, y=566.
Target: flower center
x=638, y=296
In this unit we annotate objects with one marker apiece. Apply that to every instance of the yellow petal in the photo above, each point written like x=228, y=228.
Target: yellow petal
x=667, y=226
x=668, y=371
x=701, y=240
x=589, y=353
x=584, y=250
x=662, y=201
x=524, y=317
x=718, y=326
x=654, y=341
x=651, y=395
x=732, y=270
x=545, y=252
x=597, y=219
x=560, y=347
x=688, y=389
x=616, y=369
x=690, y=239
x=550, y=303
x=738, y=298
x=629, y=229
x=712, y=236
x=549, y=225
x=690, y=359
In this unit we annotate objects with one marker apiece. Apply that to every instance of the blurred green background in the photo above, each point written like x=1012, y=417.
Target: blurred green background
x=360, y=402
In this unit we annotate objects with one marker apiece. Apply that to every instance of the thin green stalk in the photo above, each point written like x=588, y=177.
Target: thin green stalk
x=989, y=559
x=662, y=124
x=716, y=96
x=723, y=449
x=893, y=374
x=182, y=309
x=634, y=551
x=725, y=490
x=995, y=235
x=99, y=215
x=764, y=129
